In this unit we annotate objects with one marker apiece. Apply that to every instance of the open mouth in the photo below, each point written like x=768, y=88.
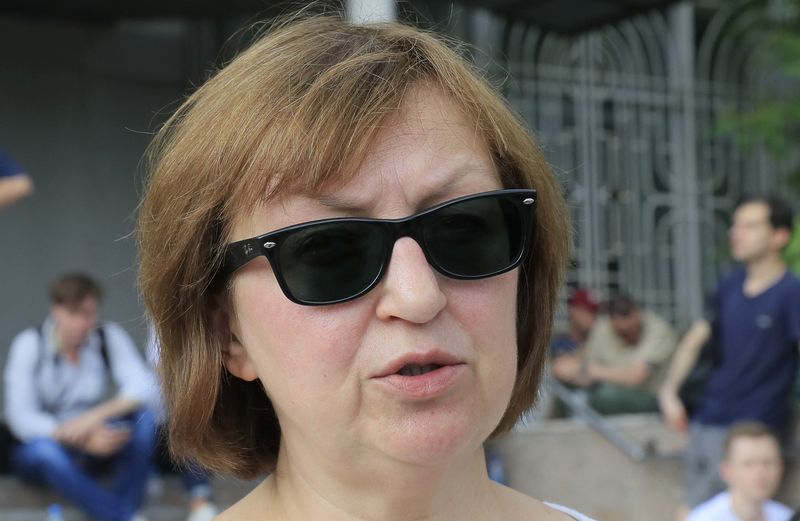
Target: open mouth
x=422, y=377
x=417, y=370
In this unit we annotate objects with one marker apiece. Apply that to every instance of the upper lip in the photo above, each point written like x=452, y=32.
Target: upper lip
x=427, y=358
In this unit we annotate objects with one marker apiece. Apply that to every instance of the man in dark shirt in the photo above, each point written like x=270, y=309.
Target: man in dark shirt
x=756, y=312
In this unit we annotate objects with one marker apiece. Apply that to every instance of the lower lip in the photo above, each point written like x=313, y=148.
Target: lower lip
x=425, y=386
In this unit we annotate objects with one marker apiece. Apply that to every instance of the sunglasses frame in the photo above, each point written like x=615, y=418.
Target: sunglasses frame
x=239, y=253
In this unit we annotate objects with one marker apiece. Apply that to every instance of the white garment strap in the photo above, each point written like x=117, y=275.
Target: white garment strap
x=576, y=515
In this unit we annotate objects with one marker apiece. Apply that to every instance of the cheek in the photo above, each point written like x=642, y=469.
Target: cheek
x=492, y=303
x=297, y=350
x=487, y=311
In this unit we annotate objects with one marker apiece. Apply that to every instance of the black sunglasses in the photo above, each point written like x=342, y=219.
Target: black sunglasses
x=335, y=260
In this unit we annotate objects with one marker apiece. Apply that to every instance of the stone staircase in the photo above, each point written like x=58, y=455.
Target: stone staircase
x=567, y=462
x=564, y=461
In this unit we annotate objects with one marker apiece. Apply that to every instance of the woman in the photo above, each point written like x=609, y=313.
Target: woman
x=339, y=249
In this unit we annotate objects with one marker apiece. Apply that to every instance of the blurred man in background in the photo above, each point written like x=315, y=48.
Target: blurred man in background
x=58, y=404
x=756, y=317
x=582, y=311
x=751, y=468
x=624, y=360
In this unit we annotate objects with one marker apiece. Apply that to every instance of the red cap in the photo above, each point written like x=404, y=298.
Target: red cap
x=583, y=298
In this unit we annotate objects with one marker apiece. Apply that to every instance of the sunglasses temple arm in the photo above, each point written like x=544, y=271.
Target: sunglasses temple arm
x=240, y=253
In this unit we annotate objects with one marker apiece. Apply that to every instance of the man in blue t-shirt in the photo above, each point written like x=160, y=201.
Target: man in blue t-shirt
x=14, y=182
x=756, y=316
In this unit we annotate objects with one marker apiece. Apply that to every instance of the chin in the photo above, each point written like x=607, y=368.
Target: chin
x=435, y=437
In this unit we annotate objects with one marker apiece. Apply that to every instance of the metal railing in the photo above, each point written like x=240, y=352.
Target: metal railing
x=577, y=403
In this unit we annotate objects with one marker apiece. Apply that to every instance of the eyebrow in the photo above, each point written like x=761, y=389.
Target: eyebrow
x=341, y=204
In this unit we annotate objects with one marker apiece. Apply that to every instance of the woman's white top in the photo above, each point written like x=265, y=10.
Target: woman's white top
x=577, y=515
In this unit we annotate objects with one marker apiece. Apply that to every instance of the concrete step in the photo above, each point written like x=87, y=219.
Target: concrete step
x=165, y=502
x=567, y=462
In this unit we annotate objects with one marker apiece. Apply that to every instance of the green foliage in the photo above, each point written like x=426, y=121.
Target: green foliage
x=792, y=252
x=774, y=119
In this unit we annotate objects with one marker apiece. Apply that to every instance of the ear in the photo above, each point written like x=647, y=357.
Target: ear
x=782, y=237
x=234, y=355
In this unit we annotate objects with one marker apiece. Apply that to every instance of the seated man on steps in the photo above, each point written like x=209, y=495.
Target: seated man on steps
x=624, y=360
x=57, y=402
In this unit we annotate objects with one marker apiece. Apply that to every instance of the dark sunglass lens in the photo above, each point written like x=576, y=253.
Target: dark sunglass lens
x=475, y=238
x=331, y=261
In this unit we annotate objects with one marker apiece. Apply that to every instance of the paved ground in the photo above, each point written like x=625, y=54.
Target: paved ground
x=20, y=502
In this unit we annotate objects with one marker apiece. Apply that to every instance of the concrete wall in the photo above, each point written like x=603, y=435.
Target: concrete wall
x=77, y=105
x=566, y=462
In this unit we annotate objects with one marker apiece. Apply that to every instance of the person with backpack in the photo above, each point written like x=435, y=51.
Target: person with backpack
x=77, y=397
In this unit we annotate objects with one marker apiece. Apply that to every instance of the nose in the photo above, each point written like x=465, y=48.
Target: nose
x=410, y=288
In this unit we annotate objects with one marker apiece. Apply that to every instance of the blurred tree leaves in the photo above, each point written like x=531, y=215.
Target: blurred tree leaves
x=773, y=121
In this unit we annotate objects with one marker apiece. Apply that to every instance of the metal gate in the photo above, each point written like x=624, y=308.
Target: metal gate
x=627, y=117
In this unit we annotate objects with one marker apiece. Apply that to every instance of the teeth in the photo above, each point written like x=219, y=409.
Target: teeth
x=416, y=370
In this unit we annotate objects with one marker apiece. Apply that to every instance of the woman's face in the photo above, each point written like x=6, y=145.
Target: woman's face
x=334, y=373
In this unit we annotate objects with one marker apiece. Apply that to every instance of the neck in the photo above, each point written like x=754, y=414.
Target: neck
x=761, y=273
x=301, y=488
x=65, y=346
x=746, y=509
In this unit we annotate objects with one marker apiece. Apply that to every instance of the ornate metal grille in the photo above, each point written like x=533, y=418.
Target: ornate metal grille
x=627, y=116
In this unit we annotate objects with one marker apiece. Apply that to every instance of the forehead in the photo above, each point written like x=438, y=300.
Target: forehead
x=748, y=446
x=752, y=212
x=87, y=305
x=425, y=153
x=427, y=143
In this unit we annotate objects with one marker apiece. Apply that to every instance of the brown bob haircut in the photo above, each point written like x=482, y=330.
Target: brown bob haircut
x=293, y=114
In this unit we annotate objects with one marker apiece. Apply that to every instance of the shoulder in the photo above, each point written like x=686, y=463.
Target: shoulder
x=601, y=328
x=27, y=336
x=515, y=505
x=791, y=282
x=777, y=511
x=731, y=280
x=712, y=510
x=112, y=328
x=657, y=322
x=25, y=342
x=115, y=335
x=23, y=356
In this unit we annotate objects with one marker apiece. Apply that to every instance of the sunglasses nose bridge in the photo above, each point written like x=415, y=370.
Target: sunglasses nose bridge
x=408, y=227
